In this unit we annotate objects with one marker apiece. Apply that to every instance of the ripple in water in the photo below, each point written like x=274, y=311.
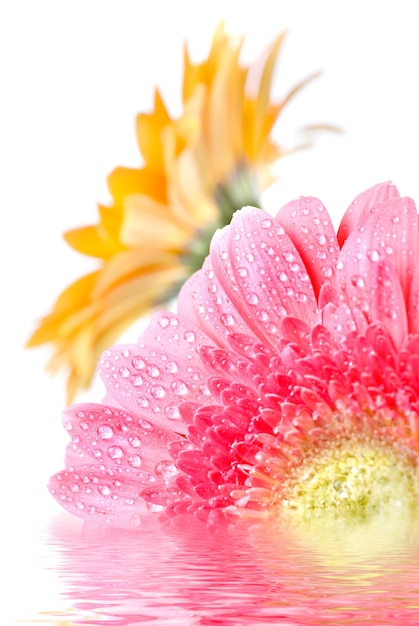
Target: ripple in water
x=187, y=575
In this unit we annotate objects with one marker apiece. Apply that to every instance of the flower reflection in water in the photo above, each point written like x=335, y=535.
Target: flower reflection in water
x=234, y=577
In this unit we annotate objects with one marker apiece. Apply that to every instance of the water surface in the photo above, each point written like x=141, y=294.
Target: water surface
x=187, y=575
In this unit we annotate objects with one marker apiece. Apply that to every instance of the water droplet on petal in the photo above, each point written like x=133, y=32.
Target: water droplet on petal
x=134, y=441
x=172, y=412
x=163, y=321
x=124, y=372
x=134, y=460
x=189, y=336
x=115, y=452
x=171, y=367
x=300, y=296
x=179, y=388
x=358, y=281
x=304, y=277
x=158, y=392
x=262, y=315
x=166, y=469
x=373, y=255
x=390, y=313
x=252, y=298
x=153, y=371
x=227, y=319
x=104, y=431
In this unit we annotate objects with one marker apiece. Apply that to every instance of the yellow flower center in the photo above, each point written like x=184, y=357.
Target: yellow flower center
x=352, y=481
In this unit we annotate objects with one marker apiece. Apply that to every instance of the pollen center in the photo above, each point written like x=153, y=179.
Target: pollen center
x=354, y=480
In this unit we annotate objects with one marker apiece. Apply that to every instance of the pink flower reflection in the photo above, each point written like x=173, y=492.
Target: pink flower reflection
x=229, y=577
x=286, y=385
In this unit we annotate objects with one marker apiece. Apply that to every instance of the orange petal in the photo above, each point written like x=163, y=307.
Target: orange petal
x=260, y=81
x=148, y=224
x=90, y=240
x=124, y=181
x=149, y=129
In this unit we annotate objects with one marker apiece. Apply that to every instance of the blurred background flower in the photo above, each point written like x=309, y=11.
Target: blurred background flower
x=198, y=168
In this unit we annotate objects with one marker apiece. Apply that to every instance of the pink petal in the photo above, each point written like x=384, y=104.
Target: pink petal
x=390, y=235
x=204, y=302
x=233, y=367
x=163, y=495
x=294, y=330
x=341, y=320
x=177, y=335
x=195, y=463
x=387, y=303
x=114, y=436
x=310, y=228
x=263, y=274
x=363, y=205
x=104, y=495
x=413, y=302
x=153, y=382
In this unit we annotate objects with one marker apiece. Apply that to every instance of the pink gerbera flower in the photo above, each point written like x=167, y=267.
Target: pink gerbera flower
x=286, y=385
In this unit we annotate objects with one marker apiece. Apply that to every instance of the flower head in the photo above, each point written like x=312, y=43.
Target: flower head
x=197, y=170
x=286, y=386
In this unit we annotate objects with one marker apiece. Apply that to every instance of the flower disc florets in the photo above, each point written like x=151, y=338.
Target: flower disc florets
x=286, y=386
x=353, y=479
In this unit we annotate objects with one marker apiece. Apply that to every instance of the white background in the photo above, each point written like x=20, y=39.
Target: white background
x=73, y=76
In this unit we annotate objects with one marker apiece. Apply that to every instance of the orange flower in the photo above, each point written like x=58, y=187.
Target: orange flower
x=197, y=170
